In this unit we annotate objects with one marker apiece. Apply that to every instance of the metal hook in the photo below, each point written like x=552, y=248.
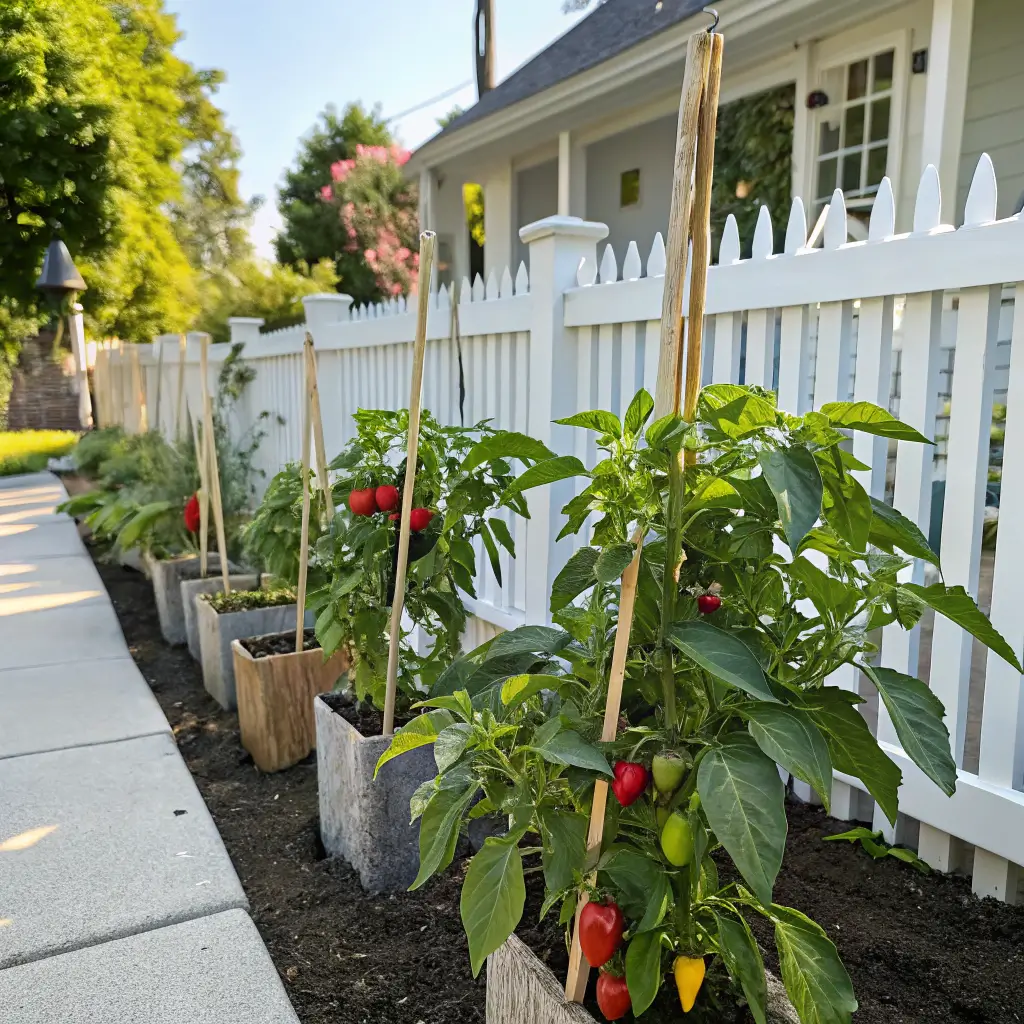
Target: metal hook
x=713, y=13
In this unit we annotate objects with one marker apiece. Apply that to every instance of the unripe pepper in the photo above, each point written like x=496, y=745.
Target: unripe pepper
x=689, y=975
x=668, y=770
x=677, y=840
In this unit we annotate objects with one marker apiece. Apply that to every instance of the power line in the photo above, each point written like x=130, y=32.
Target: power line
x=429, y=103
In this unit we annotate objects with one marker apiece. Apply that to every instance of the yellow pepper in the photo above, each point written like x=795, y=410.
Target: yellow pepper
x=689, y=975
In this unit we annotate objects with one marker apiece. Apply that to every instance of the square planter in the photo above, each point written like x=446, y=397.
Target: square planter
x=366, y=821
x=522, y=989
x=216, y=631
x=167, y=574
x=275, y=700
x=191, y=589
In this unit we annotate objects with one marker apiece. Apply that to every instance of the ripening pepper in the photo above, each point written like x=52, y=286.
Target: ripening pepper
x=677, y=840
x=668, y=770
x=689, y=975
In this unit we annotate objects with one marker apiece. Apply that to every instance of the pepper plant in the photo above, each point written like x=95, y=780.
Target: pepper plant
x=766, y=572
x=462, y=474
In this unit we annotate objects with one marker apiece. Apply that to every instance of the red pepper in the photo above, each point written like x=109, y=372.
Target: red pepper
x=630, y=782
x=363, y=503
x=708, y=604
x=193, y=519
x=419, y=519
x=613, y=996
x=387, y=498
x=601, y=928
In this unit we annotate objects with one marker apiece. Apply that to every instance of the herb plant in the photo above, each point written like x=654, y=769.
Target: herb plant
x=770, y=519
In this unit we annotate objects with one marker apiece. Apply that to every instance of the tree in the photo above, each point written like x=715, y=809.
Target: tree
x=313, y=231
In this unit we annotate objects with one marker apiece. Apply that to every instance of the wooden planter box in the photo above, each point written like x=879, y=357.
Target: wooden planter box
x=275, y=701
x=521, y=989
x=362, y=820
x=191, y=589
x=216, y=631
x=167, y=575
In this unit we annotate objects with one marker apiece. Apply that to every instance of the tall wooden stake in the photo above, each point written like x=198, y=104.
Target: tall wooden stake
x=697, y=92
x=307, y=431
x=318, y=427
x=180, y=407
x=204, y=494
x=427, y=241
x=213, y=473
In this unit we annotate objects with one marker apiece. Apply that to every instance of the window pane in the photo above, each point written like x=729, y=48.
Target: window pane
x=854, y=125
x=883, y=71
x=857, y=84
x=827, y=178
x=877, y=159
x=851, y=172
x=629, y=188
x=880, y=111
x=829, y=141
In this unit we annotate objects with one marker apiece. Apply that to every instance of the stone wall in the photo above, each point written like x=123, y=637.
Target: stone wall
x=43, y=389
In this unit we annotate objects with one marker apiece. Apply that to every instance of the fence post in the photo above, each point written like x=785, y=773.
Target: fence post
x=325, y=310
x=557, y=244
x=245, y=329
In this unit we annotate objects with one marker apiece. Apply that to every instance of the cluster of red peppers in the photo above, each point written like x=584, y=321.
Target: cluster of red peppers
x=369, y=500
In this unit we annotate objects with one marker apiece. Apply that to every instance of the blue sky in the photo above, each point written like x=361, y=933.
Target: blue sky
x=286, y=59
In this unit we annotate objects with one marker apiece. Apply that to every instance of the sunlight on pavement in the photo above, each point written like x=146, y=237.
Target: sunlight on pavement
x=44, y=602
x=12, y=530
x=26, y=840
x=17, y=569
x=31, y=495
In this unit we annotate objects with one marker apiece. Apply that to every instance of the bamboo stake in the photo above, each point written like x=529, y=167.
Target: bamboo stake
x=211, y=455
x=698, y=54
x=318, y=427
x=427, y=241
x=695, y=96
x=179, y=409
x=307, y=430
x=204, y=495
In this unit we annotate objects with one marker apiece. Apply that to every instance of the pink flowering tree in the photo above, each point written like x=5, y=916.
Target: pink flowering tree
x=378, y=208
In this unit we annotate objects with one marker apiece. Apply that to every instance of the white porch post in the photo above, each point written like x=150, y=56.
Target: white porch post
x=949, y=55
x=77, y=331
x=572, y=177
x=499, y=223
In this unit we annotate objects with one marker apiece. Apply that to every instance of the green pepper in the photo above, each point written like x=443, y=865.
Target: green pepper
x=677, y=840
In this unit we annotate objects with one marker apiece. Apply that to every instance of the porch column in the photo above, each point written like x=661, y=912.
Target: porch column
x=572, y=177
x=499, y=219
x=949, y=54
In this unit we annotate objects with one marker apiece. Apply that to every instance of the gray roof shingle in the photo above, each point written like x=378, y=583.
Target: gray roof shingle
x=608, y=30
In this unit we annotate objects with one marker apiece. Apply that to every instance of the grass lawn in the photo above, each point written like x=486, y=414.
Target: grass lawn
x=28, y=451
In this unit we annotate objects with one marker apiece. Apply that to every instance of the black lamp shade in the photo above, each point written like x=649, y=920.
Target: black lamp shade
x=59, y=271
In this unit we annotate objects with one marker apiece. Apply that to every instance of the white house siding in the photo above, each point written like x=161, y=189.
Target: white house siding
x=649, y=148
x=536, y=198
x=994, y=121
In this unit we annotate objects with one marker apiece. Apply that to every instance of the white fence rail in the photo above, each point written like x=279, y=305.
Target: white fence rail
x=879, y=320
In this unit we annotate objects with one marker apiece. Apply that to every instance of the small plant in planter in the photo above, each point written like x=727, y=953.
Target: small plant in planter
x=764, y=568
x=461, y=474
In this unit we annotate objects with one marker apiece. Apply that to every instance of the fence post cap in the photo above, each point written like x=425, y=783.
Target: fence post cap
x=244, y=320
x=563, y=227
x=327, y=297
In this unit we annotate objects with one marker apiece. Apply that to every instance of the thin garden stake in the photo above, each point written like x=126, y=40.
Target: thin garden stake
x=204, y=494
x=180, y=409
x=210, y=439
x=427, y=240
x=666, y=402
x=307, y=431
x=318, y=427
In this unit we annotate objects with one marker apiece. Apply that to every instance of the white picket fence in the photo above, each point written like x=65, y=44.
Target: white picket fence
x=878, y=320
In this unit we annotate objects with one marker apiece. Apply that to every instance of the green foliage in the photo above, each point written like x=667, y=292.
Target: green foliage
x=29, y=451
x=769, y=519
x=273, y=596
x=874, y=844
x=313, y=231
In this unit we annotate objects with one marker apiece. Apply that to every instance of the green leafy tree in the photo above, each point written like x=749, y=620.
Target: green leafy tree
x=313, y=231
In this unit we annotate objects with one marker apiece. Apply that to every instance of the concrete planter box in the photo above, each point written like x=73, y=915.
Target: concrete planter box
x=167, y=574
x=191, y=589
x=275, y=701
x=521, y=989
x=216, y=631
x=362, y=820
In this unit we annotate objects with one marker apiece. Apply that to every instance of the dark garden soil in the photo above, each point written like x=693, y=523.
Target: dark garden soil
x=364, y=718
x=280, y=643
x=920, y=950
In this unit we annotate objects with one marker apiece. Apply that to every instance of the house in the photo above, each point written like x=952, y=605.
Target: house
x=587, y=127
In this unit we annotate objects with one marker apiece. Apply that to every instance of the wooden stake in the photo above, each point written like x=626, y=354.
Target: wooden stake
x=666, y=401
x=307, y=430
x=204, y=495
x=213, y=472
x=318, y=427
x=427, y=241
x=180, y=407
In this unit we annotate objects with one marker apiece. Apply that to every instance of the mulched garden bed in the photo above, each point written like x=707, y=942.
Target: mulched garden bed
x=279, y=643
x=920, y=949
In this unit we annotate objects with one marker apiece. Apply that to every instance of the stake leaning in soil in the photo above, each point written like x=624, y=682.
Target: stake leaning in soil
x=697, y=91
x=427, y=240
x=179, y=409
x=307, y=430
x=210, y=440
x=204, y=494
x=318, y=428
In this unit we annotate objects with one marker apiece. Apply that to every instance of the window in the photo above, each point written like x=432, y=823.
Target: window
x=853, y=132
x=629, y=188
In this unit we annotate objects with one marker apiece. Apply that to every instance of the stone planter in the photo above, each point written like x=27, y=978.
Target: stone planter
x=167, y=574
x=275, y=701
x=191, y=589
x=362, y=820
x=217, y=630
x=521, y=989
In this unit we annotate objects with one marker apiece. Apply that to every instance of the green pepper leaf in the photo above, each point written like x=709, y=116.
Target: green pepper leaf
x=643, y=969
x=502, y=534
x=871, y=419
x=569, y=748
x=723, y=655
x=613, y=561
x=790, y=738
x=551, y=471
x=451, y=744
x=565, y=847
x=638, y=413
x=493, y=897
x=506, y=444
x=891, y=529
x=529, y=640
x=795, y=480
x=577, y=575
x=421, y=731
x=439, y=829
x=743, y=962
x=596, y=419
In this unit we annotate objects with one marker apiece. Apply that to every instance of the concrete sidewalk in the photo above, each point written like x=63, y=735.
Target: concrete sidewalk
x=118, y=901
